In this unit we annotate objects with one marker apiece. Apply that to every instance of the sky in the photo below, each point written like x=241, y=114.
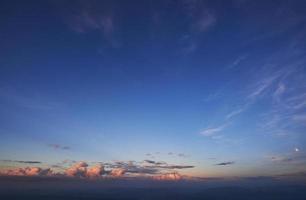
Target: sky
x=147, y=88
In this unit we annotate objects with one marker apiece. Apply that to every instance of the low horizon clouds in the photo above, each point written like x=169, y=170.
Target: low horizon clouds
x=84, y=170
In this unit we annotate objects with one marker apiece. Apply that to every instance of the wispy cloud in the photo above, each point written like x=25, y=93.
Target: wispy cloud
x=204, y=21
x=234, y=113
x=299, y=118
x=263, y=85
x=279, y=90
x=213, y=131
x=213, y=96
x=200, y=19
x=90, y=16
x=237, y=62
x=87, y=21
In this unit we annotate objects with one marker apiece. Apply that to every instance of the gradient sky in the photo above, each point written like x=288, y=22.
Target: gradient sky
x=219, y=85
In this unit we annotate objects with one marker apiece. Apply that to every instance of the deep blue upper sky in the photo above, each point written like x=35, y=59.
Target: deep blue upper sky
x=186, y=82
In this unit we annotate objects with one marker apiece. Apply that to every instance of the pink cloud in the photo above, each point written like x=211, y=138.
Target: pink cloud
x=117, y=172
x=95, y=171
x=77, y=170
x=28, y=171
x=174, y=176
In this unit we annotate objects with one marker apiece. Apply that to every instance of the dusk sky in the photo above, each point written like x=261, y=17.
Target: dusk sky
x=199, y=88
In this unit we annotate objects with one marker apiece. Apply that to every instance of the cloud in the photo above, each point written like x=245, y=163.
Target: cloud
x=295, y=157
x=299, y=175
x=58, y=146
x=234, y=113
x=154, y=162
x=95, y=171
x=182, y=155
x=87, y=21
x=93, y=16
x=150, y=161
x=146, y=168
x=299, y=117
x=174, y=176
x=281, y=159
x=200, y=19
x=176, y=166
x=28, y=171
x=279, y=90
x=225, y=163
x=23, y=161
x=296, y=102
x=212, y=131
x=204, y=21
x=117, y=172
x=164, y=165
x=77, y=170
x=237, y=61
x=81, y=170
x=262, y=86
x=213, y=96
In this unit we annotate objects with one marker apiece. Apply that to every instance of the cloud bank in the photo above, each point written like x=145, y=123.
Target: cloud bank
x=28, y=171
x=147, y=168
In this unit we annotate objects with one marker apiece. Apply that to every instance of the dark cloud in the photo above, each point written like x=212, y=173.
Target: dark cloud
x=150, y=161
x=58, y=146
x=182, y=155
x=23, y=161
x=291, y=158
x=176, y=166
x=169, y=153
x=146, y=167
x=296, y=174
x=154, y=162
x=226, y=163
x=164, y=165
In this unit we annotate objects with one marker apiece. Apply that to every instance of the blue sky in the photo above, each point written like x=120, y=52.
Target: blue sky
x=217, y=85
